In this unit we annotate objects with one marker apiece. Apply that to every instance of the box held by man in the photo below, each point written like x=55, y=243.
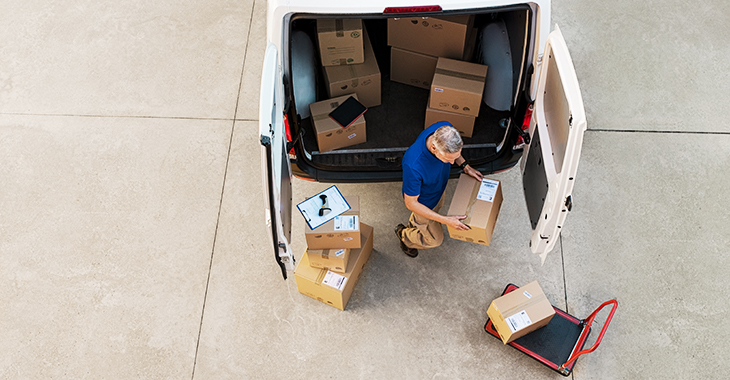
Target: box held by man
x=480, y=202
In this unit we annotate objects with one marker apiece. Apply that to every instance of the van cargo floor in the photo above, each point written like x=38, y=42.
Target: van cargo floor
x=399, y=119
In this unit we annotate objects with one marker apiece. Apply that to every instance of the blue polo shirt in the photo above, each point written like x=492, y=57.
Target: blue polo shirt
x=424, y=174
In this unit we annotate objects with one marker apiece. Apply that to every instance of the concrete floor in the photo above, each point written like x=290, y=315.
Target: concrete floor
x=132, y=241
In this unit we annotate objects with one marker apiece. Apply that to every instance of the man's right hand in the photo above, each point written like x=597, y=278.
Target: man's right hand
x=454, y=221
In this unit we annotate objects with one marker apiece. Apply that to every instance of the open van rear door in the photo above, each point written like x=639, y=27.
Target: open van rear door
x=550, y=161
x=276, y=168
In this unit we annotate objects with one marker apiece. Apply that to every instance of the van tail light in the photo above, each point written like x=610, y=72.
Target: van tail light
x=417, y=9
x=525, y=126
x=292, y=155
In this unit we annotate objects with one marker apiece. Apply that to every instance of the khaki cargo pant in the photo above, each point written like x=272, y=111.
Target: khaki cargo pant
x=423, y=233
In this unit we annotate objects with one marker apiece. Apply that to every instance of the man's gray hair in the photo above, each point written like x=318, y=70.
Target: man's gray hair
x=447, y=139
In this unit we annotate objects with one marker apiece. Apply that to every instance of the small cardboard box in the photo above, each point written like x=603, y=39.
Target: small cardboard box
x=520, y=312
x=463, y=123
x=458, y=86
x=362, y=79
x=480, y=202
x=333, y=288
x=341, y=232
x=443, y=36
x=331, y=135
x=334, y=259
x=412, y=68
x=340, y=41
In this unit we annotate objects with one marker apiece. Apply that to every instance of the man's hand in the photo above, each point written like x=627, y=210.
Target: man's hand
x=473, y=172
x=454, y=221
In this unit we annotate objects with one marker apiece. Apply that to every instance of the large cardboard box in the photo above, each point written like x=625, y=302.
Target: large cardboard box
x=340, y=41
x=333, y=288
x=436, y=36
x=341, y=232
x=458, y=86
x=334, y=259
x=331, y=135
x=412, y=68
x=480, y=202
x=520, y=312
x=463, y=123
x=362, y=79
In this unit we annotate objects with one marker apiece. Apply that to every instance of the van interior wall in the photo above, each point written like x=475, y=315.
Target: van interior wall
x=401, y=116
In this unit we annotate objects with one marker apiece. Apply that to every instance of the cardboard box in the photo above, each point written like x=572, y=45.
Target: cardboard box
x=331, y=135
x=334, y=259
x=463, y=123
x=340, y=41
x=412, y=68
x=520, y=312
x=436, y=36
x=480, y=202
x=341, y=232
x=362, y=79
x=333, y=288
x=458, y=86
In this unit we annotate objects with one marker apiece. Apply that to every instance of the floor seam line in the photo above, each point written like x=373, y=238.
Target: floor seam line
x=659, y=132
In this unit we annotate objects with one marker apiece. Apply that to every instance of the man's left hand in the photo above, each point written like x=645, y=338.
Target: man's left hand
x=473, y=172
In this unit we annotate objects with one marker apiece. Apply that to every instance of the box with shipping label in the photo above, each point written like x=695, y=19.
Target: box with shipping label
x=412, y=68
x=334, y=259
x=362, y=79
x=340, y=41
x=480, y=202
x=458, y=86
x=330, y=135
x=330, y=287
x=520, y=312
x=443, y=36
x=341, y=232
x=463, y=123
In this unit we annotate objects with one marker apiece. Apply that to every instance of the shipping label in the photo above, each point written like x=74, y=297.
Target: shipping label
x=335, y=280
x=518, y=321
x=346, y=223
x=487, y=190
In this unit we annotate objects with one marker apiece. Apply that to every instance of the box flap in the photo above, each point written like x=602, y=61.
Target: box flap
x=338, y=25
x=464, y=76
x=348, y=72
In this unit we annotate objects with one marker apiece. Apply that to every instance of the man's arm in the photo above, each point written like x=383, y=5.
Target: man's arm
x=418, y=208
x=468, y=169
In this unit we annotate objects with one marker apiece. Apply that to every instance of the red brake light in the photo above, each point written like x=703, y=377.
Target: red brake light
x=286, y=127
x=418, y=9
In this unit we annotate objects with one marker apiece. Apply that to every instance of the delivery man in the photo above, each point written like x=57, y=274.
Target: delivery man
x=426, y=168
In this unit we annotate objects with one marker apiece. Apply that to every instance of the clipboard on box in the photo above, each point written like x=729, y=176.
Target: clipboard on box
x=323, y=207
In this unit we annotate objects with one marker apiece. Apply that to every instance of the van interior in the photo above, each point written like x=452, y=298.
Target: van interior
x=394, y=125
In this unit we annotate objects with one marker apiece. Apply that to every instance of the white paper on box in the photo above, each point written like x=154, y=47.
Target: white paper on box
x=528, y=295
x=518, y=321
x=487, y=190
x=340, y=252
x=346, y=223
x=334, y=280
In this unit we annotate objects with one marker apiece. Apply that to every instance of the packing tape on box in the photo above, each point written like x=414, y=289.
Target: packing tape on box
x=320, y=276
x=325, y=254
x=472, y=202
x=456, y=74
x=339, y=28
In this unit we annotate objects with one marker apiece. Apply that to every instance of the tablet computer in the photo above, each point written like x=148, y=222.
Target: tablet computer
x=348, y=112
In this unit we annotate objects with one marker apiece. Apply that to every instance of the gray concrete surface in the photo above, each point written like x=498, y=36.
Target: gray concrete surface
x=132, y=242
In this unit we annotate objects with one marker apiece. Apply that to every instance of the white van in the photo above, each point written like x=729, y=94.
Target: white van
x=542, y=123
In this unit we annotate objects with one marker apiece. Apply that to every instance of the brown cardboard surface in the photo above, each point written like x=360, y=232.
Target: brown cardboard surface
x=334, y=259
x=326, y=237
x=481, y=215
x=463, y=123
x=340, y=41
x=312, y=281
x=331, y=135
x=436, y=36
x=520, y=312
x=458, y=86
x=362, y=79
x=412, y=68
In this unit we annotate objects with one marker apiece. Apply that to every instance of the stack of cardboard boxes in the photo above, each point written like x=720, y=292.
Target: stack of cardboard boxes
x=432, y=53
x=336, y=254
x=349, y=69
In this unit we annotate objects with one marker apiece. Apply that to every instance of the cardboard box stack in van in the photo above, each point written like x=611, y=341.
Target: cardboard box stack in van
x=328, y=286
x=480, y=202
x=520, y=312
x=340, y=41
x=331, y=135
x=362, y=79
x=411, y=68
x=457, y=86
x=435, y=36
x=336, y=253
x=463, y=123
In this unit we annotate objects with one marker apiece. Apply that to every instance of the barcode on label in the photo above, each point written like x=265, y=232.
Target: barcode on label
x=334, y=280
x=438, y=89
x=352, y=135
x=518, y=321
x=528, y=295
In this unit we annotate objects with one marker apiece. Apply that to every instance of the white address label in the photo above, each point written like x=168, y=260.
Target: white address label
x=487, y=190
x=346, y=223
x=335, y=280
x=518, y=321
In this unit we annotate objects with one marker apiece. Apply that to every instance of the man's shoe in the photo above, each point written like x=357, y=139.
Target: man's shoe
x=411, y=252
